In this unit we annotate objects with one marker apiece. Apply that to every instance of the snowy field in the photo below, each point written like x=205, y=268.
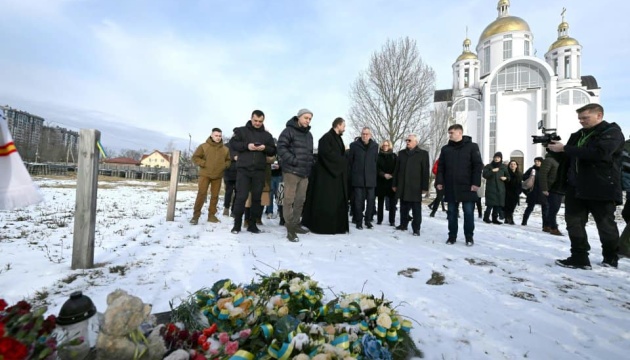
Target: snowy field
x=503, y=298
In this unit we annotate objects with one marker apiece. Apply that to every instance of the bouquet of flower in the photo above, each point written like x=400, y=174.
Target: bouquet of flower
x=282, y=317
x=24, y=333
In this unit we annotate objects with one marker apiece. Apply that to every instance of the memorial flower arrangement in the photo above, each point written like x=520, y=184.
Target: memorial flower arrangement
x=24, y=333
x=282, y=317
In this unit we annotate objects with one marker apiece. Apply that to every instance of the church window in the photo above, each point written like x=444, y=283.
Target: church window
x=579, y=98
x=526, y=36
x=526, y=49
x=563, y=98
x=507, y=49
x=486, y=59
x=555, y=66
x=567, y=67
x=466, y=77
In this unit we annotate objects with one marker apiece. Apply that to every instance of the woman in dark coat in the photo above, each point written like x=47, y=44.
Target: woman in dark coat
x=513, y=190
x=325, y=210
x=496, y=174
x=385, y=165
x=535, y=196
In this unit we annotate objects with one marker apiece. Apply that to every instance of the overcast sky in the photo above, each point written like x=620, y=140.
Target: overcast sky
x=127, y=67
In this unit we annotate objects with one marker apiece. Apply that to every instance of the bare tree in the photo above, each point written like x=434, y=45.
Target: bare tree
x=393, y=95
x=438, y=129
x=133, y=154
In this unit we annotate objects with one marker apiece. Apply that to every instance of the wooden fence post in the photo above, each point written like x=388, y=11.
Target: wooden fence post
x=85, y=210
x=172, y=189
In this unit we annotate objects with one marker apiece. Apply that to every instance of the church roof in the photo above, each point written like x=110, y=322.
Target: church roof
x=590, y=82
x=502, y=25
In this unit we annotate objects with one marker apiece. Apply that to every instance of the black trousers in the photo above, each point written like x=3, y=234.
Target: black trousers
x=392, y=208
x=361, y=194
x=416, y=212
x=439, y=199
x=229, y=191
x=576, y=215
x=248, y=181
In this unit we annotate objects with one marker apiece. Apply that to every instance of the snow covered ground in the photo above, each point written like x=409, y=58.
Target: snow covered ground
x=503, y=298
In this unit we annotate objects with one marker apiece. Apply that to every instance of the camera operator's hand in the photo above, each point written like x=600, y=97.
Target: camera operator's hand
x=556, y=146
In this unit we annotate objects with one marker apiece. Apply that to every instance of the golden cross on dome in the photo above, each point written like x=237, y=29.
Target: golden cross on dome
x=564, y=10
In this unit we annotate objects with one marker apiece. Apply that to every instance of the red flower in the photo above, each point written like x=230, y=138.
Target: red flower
x=199, y=357
x=11, y=349
x=202, y=339
x=171, y=328
x=211, y=330
x=205, y=346
x=224, y=338
x=3, y=304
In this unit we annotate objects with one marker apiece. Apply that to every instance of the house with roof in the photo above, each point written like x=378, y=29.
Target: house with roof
x=156, y=159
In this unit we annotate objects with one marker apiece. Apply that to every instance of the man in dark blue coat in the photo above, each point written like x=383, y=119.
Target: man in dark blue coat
x=591, y=172
x=295, y=154
x=459, y=174
x=253, y=144
x=362, y=164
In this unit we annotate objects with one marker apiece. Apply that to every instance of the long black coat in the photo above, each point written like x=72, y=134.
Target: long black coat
x=459, y=168
x=513, y=187
x=594, y=168
x=385, y=164
x=326, y=208
x=295, y=149
x=247, y=159
x=535, y=196
x=411, y=175
x=495, y=187
x=362, y=163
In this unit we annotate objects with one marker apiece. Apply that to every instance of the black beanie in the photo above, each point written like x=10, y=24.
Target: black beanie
x=539, y=159
x=498, y=153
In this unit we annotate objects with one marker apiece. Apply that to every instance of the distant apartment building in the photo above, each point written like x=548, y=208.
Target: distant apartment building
x=26, y=130
x=58, y=144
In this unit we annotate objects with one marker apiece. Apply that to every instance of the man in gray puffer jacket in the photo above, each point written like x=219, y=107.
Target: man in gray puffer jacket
x=295, y=154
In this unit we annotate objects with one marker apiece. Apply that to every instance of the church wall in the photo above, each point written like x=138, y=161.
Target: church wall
x=518, y=114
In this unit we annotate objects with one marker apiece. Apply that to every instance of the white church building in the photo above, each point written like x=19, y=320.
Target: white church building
x=503, y=91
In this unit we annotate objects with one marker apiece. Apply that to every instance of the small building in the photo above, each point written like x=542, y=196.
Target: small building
x=156, y=159
x=122, y=161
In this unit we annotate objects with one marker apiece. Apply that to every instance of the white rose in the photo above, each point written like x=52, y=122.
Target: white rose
x=384, y=320
x=367, y=304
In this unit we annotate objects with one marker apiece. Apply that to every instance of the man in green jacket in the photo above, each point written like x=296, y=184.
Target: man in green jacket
x=213, y=158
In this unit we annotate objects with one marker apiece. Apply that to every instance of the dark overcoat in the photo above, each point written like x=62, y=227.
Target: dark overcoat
x=362, y=163
x=247, y=159
x=495, y=187
x=459, y=168
x=385, y=164
x=513, y=187
x=411, y=175
x=326, y=207
x=593, y=163
x=535, y=195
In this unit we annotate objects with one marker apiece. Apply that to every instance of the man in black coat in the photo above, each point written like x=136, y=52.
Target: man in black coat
x=253, y=144
x=411, y=181
x=362, y=163
x=295, y=153
x=327, y=195
x=229, y=177
x=591, y=171
x=459, y=174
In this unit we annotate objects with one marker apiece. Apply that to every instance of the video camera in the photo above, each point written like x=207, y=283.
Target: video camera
x=548, y=136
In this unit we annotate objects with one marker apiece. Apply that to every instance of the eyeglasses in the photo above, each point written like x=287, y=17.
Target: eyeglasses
x=408, y=140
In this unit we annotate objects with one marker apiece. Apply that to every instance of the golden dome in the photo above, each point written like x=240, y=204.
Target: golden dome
x=502, y=25
x=563, y=26
x=467, y=42
x=565, y=41
x=503, y=3
x=466, y=55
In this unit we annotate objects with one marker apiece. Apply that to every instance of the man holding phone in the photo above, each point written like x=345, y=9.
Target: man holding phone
x=253, y=144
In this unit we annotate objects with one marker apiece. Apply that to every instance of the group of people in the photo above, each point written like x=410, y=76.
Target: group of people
x=318, y=188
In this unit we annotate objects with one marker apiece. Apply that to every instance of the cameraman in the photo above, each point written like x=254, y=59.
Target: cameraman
x=590, y=170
